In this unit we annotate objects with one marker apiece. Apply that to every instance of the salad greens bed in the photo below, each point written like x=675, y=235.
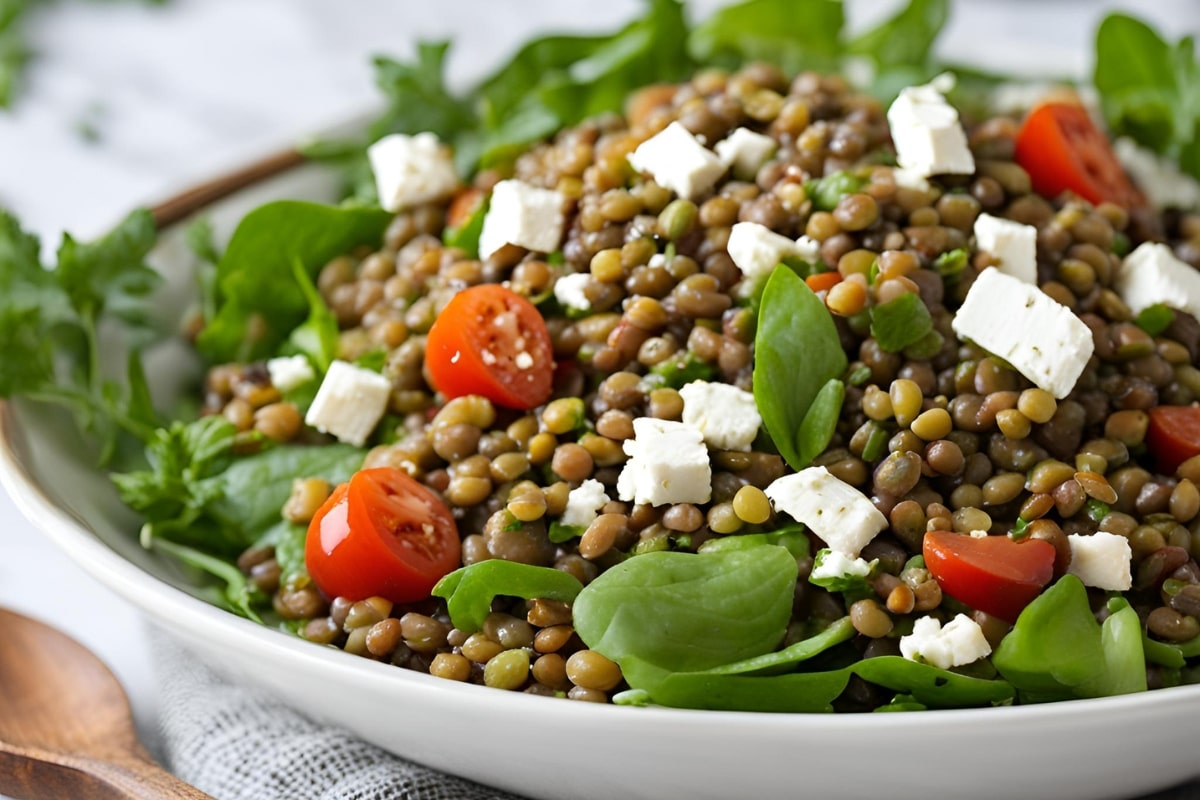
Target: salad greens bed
x=205, y=501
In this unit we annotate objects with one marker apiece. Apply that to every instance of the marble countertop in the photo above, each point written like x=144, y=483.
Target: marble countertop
x=126, y=103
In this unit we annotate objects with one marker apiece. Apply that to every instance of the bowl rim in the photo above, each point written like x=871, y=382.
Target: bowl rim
x=161, y=601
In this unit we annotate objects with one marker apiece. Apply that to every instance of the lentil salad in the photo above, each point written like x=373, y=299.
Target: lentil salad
x=940, y=437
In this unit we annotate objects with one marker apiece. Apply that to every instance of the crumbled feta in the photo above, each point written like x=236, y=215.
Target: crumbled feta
x=524, y=215
x=1013, y=244
x=911, y=179
x=677, y=161
x=570, y=291
x=756, y=249
x=1160, y=180
x=928, y=136
x=745, y=151
x=668, y=463
x=1040, y=337
x=960, y=641
x=808, y=250
x=289, y=372
x=349, y=403
x=726, y=416
x=1101, y=560
x=411, y=169
x=830, y=565
x=841, y=515
x=583, y=503
x=1152, y=274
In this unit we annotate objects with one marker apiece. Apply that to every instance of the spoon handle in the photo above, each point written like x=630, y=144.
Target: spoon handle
x=28, y=774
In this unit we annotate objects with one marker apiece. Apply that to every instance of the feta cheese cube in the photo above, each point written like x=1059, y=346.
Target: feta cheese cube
x=668, y=463
x=911, y=179
x=1159, y=179
x=830, y=565
x=960, y=641
x=726, y=416
x=756, y=249
x=928, y=136
x=349, y=403
x=841, y=515
x=1014, y=245
x=1152, y=274
x=410, y=170
x=570, y=291
x=808, y=250
x=583, y=503
x=677, y=161
x=1017, y=321
x=289, y=372
x=745, y=151
x=524, y=215
x=1101, y=560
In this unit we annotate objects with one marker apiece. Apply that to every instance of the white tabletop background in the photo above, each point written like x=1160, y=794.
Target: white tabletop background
x=178, y=93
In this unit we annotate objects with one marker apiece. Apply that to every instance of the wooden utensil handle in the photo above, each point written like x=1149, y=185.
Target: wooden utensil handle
x=30, y=775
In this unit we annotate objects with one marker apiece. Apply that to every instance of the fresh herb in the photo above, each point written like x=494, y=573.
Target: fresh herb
x=900, y=322
x=259, y=299
x=466, y=236
x=902, y=46
x=951, y=264
x=792, y=538
x=1149, y=88
x=792, y=34
x=826, y=192
x=469, y=591
x=50, y=323
x=678, y=370
x=857, y=585
x=797, y=352
x=317, y=337
x=820, y=421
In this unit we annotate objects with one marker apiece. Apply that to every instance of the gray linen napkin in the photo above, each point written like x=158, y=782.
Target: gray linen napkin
x=237, y=743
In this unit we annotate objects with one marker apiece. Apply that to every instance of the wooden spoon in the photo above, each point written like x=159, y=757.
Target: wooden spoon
x=66, y=729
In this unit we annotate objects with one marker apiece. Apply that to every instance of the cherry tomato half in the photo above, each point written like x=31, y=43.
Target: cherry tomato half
x=1173, y=436
x=1062, y=149
x=384, y=534
x=491, y=341
x=994, y=574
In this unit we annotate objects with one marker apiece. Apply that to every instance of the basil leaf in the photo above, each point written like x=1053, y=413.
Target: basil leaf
x=792, y=34
x=796, y=353
x=260, y=301
x=900, y=322
x=684, y=612
x=469, y=591
x=792, y=538
x=820, y=423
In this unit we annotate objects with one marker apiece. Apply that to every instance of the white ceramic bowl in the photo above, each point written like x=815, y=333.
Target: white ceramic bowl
x=1105, y=748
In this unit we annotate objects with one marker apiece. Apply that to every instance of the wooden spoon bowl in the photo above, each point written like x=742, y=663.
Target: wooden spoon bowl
x=66, y=729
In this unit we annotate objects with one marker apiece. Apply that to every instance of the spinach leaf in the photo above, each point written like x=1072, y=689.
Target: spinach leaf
x=469, y=591
x=820, y=421
x=901, y=47
x=317, y=337
x=466, y=237
x=684, y=612
x=796, y=353
x=792, y=34
x=260, y=301
x=900, y=322
x=1149, y=89
x=792, y=538
x=1057, y=650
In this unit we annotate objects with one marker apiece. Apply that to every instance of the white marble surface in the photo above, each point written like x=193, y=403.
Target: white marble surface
x=177, y=93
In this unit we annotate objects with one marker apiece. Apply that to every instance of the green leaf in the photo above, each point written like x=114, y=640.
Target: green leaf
x=1155, y=319
x=679, y=370
x=418, y=96
x=792, y=538
x=1124, y=657
x=820, y=422
x=689, y=611
x=469, y=591
x=792, y=34
x=1054, y=645
x=317, y=336
x=797, y=351
x=238, y=594
x=900, y=322
x=466, y=237
x=260, y=301
x=906, y=39
x=110, y=272
x=826, y=192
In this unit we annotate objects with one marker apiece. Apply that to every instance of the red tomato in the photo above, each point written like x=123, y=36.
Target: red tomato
x=994, y=574
x=491, y=341
x=1062, y=149
x=383, y=533
x=1173, y=435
